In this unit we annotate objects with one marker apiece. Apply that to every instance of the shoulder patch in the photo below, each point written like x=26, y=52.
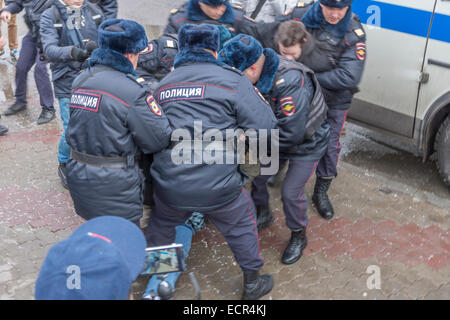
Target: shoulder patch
x=287, y=105
x=361, y=51
x=359, y=32
x=147, y=50
x=151, y=102
x=300, y=4
x=173, y=11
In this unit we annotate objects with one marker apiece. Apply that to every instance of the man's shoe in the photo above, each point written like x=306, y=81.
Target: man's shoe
x=294, y=250
x=264, y=216
x=3, y=130
x=62, y=175
x=16, y=107
x=255, y=285
x=321, y=200
x=46, y=116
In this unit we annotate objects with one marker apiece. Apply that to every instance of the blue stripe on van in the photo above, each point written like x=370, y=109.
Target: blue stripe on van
x=404, y=19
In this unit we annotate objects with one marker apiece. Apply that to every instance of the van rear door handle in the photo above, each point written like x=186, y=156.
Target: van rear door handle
x=439, y=63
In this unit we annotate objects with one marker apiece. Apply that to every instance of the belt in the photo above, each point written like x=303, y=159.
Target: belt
x=104, y=162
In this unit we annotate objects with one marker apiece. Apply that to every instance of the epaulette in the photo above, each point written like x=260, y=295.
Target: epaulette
x=225, y=66
x=170, y=44
x=173, y=11
x=359, y=32
x=300, y=4
x=279, y=82
x=138, y=80
x=250, y=19
x=237, y=7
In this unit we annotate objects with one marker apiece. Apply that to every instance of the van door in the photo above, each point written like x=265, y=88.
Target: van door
x=437, y=61
x=397, y=32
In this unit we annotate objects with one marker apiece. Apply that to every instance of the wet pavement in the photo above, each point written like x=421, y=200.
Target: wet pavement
x=392, y=216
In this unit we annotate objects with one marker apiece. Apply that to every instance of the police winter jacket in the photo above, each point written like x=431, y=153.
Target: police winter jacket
x=58, y=44
x=291, y=99
x=112, y=114
x=220, y=98
x=338, y=54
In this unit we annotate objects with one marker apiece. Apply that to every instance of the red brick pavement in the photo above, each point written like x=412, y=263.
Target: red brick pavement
x=386, y=241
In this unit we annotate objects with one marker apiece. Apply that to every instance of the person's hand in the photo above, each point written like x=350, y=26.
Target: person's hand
x=78, y=54
x=6, y=16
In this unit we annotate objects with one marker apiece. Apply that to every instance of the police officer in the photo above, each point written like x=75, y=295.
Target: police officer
x=299, y=106
x=217, y=12
x=68, y=35
x=30, y=55
x=338, y=59
x=109, y=7
x=113, y=117
x=157, y=59
x=201, y=95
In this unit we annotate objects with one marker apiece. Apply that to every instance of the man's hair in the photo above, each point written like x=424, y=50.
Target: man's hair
x=290, y=33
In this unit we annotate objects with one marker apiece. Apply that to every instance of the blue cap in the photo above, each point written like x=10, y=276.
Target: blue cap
x=99, y=261
x=199, y=36
x=243, y=51
x=124, y=36
x=336, y=3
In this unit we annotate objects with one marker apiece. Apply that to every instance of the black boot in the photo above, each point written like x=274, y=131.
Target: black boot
x=62, y=175
x=294, y=250
x=16, y=107
x=255, y=285
x=320, y=198
x=46, y=116
x=264, y=216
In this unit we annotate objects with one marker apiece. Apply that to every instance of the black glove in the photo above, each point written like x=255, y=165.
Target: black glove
x=78, y=54
x=91, y=46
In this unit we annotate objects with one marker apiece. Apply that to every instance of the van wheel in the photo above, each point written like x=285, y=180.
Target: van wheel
x=442, y=146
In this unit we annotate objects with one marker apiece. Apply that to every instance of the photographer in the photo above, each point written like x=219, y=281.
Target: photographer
x=69, y=35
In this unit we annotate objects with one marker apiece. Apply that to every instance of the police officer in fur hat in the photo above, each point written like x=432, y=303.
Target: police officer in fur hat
x=217, y=12
x=338, y=58
x=113, y=117
x=298, y=104
x=202, y=94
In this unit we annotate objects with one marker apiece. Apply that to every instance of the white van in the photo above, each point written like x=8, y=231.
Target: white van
x=405, y=88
